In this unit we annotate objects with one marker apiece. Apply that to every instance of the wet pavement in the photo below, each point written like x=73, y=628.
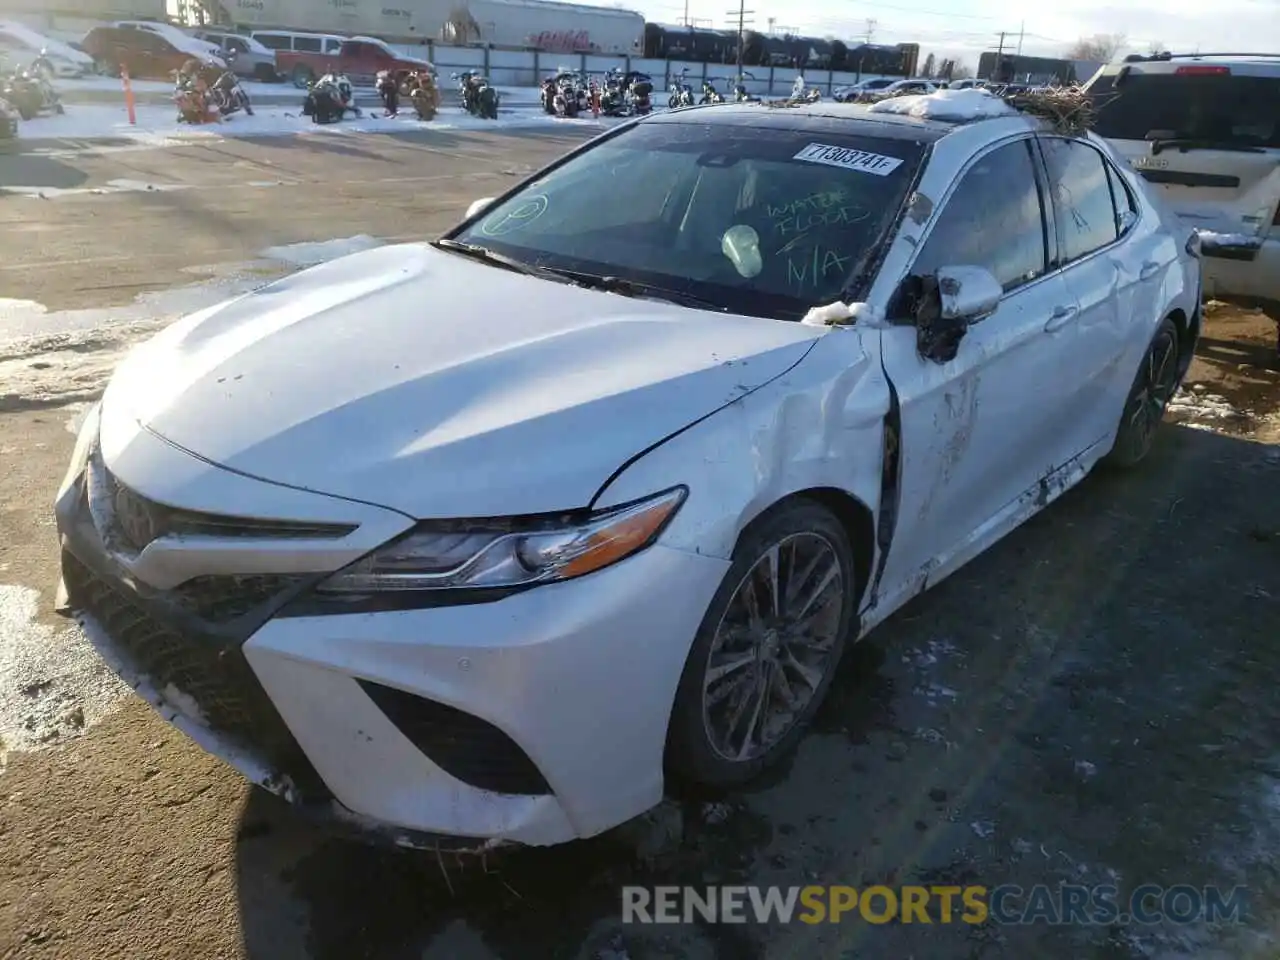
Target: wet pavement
x=1091, y=702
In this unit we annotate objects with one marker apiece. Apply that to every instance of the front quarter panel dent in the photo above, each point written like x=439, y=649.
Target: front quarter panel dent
x=819, y=426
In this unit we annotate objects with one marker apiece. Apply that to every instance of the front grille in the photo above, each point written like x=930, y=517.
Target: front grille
x=221, y=599
x=209, y=669
x=134, y=521
x=465, y=747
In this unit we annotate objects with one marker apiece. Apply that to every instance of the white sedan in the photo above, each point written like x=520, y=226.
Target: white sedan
x=484, y=539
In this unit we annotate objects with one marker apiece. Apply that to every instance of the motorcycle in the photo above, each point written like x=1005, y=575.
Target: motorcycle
x=478, y=96
x=709, y=93
x=329, y=99
x=572, y=95
x=641, y=89
x=206, y=93
x=801, y=93
x=421, y=89
x=740, y=94
x=548, y=95
x=28, y=92
x=681, y=92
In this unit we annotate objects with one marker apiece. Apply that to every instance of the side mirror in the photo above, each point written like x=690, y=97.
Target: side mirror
x=947, y=303
x=968, y=293
x=477, y=206
x=1126, y=221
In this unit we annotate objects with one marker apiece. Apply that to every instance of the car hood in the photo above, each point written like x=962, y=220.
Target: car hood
x=439, y=386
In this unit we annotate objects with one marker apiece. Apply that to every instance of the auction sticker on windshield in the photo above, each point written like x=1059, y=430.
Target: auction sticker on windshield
x=849, y=159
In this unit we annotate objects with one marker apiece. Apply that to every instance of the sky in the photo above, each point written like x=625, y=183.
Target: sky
x=964, y=28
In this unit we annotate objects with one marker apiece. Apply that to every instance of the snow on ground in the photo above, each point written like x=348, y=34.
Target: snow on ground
x=1195, y=407
x=66, y=357
x=158, y=125
x=510, y=96
x=53, y=684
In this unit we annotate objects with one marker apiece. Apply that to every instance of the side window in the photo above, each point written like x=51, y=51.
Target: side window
x=1123, y=200
x=1081, y=193
x=306, y=44
x=272, y=42
x=235, y=45
x=333, y=47
x=993, y=219
x=357, y=49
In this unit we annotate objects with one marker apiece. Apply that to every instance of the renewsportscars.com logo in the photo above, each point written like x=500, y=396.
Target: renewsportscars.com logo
x=1067, y=904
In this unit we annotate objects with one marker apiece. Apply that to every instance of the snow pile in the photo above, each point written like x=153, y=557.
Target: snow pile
x=838, y=314
x=53, y=684
x=1197, y=405
x=949, y=105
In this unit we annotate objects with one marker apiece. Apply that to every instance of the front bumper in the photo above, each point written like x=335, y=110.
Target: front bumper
x=535, y=719
x=1247, y=278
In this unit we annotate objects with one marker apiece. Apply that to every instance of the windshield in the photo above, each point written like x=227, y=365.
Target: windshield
x=762, y=221
x=1231, y=110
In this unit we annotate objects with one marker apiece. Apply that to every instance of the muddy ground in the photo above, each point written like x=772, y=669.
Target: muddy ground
x=1093, y=701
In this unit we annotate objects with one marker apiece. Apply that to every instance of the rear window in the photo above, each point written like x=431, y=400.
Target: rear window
x=764, y=222
x=1226, y=109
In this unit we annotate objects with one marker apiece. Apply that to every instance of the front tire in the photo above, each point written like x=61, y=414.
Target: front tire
x=767, y=649
x=1153, y=388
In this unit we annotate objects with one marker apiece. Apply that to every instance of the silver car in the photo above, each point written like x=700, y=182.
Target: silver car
x=246, y=56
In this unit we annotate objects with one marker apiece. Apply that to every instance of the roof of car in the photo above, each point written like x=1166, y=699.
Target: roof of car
x=856, y=118
x=1170, y=62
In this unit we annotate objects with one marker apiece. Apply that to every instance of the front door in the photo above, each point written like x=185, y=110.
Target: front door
x=976, y=430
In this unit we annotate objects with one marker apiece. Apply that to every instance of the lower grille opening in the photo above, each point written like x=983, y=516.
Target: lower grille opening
x=464, y=746
x=211, y=670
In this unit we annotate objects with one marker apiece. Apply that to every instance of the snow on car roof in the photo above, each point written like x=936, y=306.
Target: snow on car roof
x=948, y=106
x=38, y=41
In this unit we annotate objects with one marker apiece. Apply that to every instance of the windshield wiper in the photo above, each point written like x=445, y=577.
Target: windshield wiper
x=638, y=288
x=1195, y=143
x=493, y=256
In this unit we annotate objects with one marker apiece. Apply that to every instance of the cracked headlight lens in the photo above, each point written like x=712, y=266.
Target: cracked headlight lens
x=507, y=553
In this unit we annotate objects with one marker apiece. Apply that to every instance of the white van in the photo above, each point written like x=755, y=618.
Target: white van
x=325, y=43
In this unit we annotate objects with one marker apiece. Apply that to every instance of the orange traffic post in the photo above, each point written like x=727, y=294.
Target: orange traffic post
x=129, y=104
x=595, y=102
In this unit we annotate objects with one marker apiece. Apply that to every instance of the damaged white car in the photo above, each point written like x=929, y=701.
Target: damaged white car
x=483, y=540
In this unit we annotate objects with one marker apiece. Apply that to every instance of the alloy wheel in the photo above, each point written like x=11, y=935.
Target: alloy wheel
x=1155, y=387
x=773, y=646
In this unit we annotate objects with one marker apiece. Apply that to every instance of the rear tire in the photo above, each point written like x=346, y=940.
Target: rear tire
x=772, y=670
x=1153, y=388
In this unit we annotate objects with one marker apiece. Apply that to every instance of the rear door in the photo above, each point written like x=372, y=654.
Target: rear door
x=1206, y=135
x=1115, y=272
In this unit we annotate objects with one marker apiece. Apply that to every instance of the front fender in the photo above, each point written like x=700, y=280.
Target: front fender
x=820, y=425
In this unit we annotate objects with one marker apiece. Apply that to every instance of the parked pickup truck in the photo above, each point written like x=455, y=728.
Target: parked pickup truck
x=360, y=58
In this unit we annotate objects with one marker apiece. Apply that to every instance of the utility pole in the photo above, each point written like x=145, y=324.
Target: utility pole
x=871, y=29
x=1022, y=32
x=741, y=15
x=686, y=13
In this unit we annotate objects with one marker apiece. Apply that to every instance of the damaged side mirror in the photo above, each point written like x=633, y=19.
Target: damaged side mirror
x=947, y=303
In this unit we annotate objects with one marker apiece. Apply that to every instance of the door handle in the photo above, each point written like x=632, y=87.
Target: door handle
x=1060, y=317
x=1149, y=270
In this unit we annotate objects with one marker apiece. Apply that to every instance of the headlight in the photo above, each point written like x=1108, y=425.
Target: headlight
x=507, y=553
